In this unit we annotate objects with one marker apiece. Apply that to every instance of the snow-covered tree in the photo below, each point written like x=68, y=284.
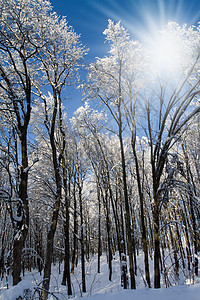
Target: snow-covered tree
x=110, y=79
x=22, y=24
x=153, y=98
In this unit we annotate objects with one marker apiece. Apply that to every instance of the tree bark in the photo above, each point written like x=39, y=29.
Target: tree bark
x=192, y=210
x=75, y=244
x=108, y=235
x=66, y=273
x=56, y=207
x=22, y=222
x=49, y=249
x=143, y=227
x=99, y=231
x=82, y=241
x=156, y=243
x=127, y=209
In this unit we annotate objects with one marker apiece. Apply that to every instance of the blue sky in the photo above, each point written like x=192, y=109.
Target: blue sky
x=90, y=17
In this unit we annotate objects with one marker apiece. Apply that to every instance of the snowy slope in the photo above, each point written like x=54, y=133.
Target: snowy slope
x=99, y=287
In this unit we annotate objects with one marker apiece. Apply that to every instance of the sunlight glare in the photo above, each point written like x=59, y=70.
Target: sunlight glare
x=165, y=53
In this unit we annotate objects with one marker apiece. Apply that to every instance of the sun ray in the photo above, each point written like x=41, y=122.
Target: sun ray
x=165, y=53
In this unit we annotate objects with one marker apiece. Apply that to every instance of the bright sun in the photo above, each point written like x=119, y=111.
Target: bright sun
x=165, y=53
x=171, y=52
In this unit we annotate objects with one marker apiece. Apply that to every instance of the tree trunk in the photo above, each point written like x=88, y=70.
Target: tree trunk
x=185, y=219
x=75, y=244
x=192, y=210
x=156, y=244
x=2, y=263
x=114, y=208
x=82, y=242
x=123, y=238
x=143, y=227
x=67, y=190
x=127, y=209
x=108, y=235
x=66, y=273
x=99, y=232
x=17, y=263
x=56, y=207
x=52, y=230
x=49, y=249
x=22, y=222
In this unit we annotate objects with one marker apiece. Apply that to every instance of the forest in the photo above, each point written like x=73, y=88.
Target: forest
x=121, y=177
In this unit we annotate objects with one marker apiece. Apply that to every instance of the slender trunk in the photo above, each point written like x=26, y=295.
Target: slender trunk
x=195, y=239
x=108, y=236
x=52, y=230
x=111, y=197
x=88, y=236
x=133, y=241
x=175, y=252
x=82, y=241
x=143, y=227
x=127, y=209
x=39, y=248
x=99, y=231
x=75, y=244
x=179, y=243
x=185, y=218
x=156, y=244
x=124, y=276
x=123, y=239
x=116, y=220
x=191, y=192
x=30, y=258
x=49, y=249
x=22, y=223
x=66, y=273
x=2, y=263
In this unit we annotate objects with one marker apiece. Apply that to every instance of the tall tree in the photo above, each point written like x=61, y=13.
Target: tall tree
x=20, y=40
x=59, y=61
x=106, y=81
x=173, y=98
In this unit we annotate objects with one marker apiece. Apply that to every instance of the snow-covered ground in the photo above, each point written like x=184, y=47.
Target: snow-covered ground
x=99, y=287
x=173, y=293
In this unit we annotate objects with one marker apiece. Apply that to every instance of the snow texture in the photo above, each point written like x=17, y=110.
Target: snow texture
x=99, y=287
x=16, y=291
